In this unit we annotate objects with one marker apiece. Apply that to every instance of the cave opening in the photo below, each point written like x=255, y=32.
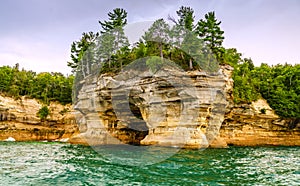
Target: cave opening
x=137, y=125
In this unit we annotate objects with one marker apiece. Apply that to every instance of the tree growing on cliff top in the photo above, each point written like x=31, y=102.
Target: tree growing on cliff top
x=186, y=17
x=158, y=33
x=78, y=50
x=209, y=30
x=113, y=39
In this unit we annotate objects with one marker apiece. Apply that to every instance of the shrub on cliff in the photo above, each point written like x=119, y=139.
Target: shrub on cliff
x=43, y=113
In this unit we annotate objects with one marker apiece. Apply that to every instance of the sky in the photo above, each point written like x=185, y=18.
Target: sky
x=38, y=34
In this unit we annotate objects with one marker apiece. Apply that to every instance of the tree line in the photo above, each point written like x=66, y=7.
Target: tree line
x=190, y=44
x=278, y=84
x=44, y=86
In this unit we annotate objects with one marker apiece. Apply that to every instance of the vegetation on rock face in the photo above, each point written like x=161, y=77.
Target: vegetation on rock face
x=43, y=113
x=279, y=84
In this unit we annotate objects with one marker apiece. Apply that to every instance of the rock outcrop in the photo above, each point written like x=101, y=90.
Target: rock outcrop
x=167, y=108
x=245, y=125
x=18, y=120
x=175, y=108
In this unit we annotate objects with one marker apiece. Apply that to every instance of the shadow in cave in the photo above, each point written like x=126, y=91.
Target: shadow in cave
x=127, y=124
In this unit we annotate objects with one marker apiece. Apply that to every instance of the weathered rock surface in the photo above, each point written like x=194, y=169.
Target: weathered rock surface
x=175, y=108
x=18, y=120
x=245, y=125
x=168, y=108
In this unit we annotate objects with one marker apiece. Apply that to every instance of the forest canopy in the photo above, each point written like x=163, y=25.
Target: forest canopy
x=43, y=86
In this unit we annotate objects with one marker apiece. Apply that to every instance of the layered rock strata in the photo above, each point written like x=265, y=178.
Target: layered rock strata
x=175, y=108
x=167, y=108
x=245, y=125
x=18, y=120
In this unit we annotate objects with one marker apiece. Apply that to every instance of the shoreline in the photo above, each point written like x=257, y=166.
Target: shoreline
x=70, y=142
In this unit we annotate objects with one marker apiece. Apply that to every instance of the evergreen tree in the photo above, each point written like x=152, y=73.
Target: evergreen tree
x=117, y=19
x=186, y=17
x=78, y=49
x=113, y=39
x=209, y=30
x=192, y=46
x=158, y=33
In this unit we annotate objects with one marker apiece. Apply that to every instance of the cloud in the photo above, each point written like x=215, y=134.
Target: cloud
x=33, y=55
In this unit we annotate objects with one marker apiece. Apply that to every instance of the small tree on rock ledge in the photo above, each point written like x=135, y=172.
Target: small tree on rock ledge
x=43, y=113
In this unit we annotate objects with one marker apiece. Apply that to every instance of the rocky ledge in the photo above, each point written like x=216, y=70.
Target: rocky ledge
x=168, y=108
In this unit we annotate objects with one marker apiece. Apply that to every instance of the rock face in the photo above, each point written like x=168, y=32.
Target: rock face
x=166, y=108
x=18, y=120
x=175, y=108
x=245, y=125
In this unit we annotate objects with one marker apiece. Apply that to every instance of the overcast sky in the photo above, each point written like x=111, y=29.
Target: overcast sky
x=37, y=34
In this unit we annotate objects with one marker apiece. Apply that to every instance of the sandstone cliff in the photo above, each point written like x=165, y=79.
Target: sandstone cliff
x=245, y=125
x=175, y=108
x=18, y=120
x=168, y=108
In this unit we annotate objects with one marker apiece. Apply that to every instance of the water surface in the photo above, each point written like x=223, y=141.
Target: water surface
x=64, y=164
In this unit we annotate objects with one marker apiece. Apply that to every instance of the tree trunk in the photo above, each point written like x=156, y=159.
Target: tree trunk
x=161, y=52
x=191, y=64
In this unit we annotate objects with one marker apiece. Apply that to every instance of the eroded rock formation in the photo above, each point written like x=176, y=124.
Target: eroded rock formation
x=168, y=108
x=18, y=120
x=245, y=125
x=175, y=108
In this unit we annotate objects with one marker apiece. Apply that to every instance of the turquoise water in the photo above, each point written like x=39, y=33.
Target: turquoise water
x=64, y=164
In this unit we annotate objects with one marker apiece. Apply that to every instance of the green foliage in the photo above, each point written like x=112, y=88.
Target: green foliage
x=280, y=86
x=244, y=85
x=263, y=111
x=43, y=86
x=186, y=17
x=156, y=36
x=154, y=63
x=117, y=19
x=187, y=45
x=209, y=30
x=43, y=113
x=79, y=48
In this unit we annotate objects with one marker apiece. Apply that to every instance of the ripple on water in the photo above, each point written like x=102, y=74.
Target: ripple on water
x=64, y=164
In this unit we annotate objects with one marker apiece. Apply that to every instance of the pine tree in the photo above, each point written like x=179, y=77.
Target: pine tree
x=113, y=39
x=78, y=50
x=117, y=19
x=209, y=30
x=158, y=33
x=186, y=17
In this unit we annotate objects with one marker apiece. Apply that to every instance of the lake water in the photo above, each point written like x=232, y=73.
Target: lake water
x=64, y=164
